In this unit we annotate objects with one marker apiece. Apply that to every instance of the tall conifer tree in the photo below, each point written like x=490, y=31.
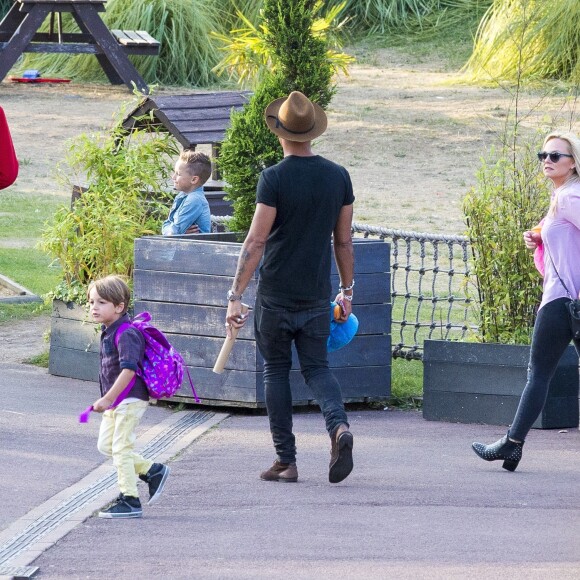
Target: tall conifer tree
x=300, y=62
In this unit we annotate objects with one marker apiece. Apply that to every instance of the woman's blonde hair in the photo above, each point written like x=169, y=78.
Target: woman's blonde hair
x=574, y=144
x=112, y=289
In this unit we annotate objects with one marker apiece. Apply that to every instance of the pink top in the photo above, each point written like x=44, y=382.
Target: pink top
x=561, y=238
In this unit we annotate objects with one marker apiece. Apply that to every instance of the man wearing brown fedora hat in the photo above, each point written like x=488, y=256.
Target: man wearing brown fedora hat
x=303, y=204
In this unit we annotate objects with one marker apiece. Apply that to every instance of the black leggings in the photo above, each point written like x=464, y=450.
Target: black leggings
x=552, y=335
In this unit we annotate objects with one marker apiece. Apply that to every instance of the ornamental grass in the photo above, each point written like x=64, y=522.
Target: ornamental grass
x=371, y=17
x=544, y=36
x=4, y=7
x=187, y=53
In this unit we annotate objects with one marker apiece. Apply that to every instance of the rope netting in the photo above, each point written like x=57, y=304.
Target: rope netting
x=430, y=274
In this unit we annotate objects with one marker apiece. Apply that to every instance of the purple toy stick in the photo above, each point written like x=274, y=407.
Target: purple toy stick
x=84, y=416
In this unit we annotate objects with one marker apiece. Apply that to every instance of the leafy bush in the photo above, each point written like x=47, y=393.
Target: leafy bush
x=300, y=63
x=124, y=200
x=510, y=197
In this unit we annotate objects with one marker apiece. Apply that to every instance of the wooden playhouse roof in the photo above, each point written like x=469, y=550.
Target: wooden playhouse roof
x=194, y=119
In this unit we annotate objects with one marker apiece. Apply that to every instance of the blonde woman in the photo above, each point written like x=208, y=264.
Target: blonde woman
x=560, y=236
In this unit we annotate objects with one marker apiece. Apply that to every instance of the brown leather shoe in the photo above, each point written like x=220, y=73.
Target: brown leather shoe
x=340, y=454
x=287, y=472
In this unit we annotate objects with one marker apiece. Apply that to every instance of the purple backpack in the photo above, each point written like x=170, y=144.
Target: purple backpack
x=162, y=366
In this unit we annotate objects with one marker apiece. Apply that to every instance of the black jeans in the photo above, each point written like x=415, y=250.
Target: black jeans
x=308, y=326
x=552, y=334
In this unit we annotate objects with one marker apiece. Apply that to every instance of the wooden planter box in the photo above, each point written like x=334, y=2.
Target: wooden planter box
x=482, y=383
x=74, y=342
x=183, y=281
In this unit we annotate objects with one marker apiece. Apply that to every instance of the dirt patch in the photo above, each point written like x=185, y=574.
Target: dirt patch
x=412, y=140
x=18, y=243
x=24, y=339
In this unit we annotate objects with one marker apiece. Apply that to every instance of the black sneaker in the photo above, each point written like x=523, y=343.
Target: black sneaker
x=125, y=506
x=155, y=478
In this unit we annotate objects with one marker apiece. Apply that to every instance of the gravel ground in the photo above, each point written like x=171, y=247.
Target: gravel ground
x=23, y=339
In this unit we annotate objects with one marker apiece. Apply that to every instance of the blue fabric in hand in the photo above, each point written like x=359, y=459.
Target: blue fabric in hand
x=341, y=333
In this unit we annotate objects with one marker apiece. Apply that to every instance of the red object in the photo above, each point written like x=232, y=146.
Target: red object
x=8, y=160
x=39, y=80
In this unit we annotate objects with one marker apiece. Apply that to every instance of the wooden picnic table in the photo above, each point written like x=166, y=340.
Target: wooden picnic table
x=19, y=33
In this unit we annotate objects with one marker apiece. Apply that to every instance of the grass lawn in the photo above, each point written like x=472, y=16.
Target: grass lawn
x=406, y=382
x=22, y=215
x=22, y=218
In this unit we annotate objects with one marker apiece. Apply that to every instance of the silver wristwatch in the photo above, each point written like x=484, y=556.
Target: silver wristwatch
x=233, y=297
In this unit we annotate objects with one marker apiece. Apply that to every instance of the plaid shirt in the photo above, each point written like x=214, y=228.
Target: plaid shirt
x=127, y=356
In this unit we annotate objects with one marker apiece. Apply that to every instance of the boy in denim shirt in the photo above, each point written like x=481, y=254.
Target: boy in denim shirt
x=190, y=210
x=108, y=303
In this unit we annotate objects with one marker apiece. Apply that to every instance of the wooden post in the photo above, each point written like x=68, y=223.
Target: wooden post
x=114, y=53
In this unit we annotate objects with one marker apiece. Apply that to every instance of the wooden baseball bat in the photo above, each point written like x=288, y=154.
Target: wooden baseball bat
x=227, y=346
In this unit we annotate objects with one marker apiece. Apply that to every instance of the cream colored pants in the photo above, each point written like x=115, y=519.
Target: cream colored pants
x=117, y=440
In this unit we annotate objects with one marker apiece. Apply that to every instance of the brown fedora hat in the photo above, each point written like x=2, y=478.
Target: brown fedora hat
x=295, y=118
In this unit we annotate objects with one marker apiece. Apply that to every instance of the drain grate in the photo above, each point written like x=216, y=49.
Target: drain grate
x=18, y=572
x=54, y=517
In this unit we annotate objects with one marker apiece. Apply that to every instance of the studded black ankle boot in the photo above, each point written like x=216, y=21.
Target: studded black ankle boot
x=509, y=451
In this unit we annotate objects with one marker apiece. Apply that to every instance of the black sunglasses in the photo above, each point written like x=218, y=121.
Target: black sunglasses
x=554, y=156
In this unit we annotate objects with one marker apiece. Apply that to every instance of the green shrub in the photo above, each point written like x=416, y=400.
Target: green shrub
x=510, y=197
x=248, y=148
x=301, y=63
x=300, y=56
x=124, y=200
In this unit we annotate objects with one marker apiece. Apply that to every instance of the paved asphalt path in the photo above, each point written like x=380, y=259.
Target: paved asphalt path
x=43, y=448
x=419, y=504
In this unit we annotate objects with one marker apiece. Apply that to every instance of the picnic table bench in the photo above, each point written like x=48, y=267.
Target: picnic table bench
x=19, y=33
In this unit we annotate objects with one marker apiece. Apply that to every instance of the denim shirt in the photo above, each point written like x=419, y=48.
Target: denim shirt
x=188, y=209
x=127, y=356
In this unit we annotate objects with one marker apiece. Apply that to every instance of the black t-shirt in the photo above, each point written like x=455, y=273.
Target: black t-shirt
x=308, y=194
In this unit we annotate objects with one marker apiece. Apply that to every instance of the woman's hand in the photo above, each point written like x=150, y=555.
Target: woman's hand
x=532, y=239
